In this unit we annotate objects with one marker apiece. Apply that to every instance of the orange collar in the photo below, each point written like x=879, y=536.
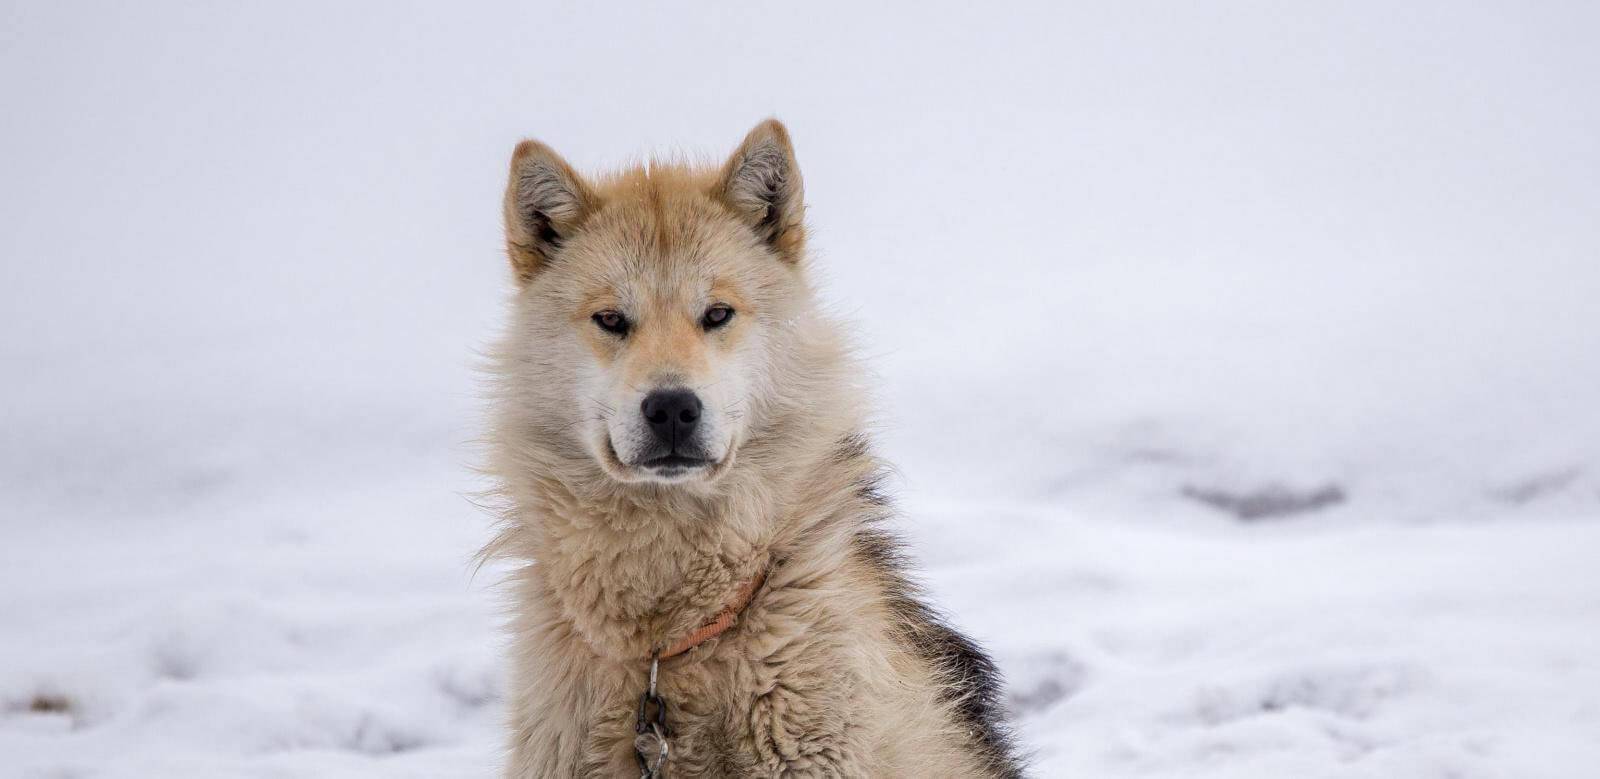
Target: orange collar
x=721, y=622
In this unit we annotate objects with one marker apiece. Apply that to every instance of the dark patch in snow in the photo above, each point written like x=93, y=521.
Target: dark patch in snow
x=48, y=706
x=1159, y=456
x=46, y=703
x=471, y=691
x=175, y=661
x=1533, y=487
x=373, y=738
x=1268, y=502
x=1043, y=683
x=1039, y=697
x=1352, y=693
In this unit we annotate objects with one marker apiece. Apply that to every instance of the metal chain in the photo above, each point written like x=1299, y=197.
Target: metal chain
x=651, y=722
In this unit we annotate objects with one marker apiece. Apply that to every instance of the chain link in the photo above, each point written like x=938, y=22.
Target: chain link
x=651, y=725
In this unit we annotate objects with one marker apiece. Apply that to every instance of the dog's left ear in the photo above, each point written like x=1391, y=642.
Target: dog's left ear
x=761, y=183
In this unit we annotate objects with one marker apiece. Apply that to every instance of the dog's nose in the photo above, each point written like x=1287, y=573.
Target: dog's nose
x=672, y=414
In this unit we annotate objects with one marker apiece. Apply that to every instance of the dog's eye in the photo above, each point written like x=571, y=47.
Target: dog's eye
x=611, y=322
x=716, y=316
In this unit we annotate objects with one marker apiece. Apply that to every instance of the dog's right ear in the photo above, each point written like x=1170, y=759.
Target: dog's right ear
x=545, y=202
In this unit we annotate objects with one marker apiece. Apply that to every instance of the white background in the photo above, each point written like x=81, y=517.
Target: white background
x=1102, y=259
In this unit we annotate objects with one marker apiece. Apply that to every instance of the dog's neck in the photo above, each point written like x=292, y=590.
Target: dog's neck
x=635, y=569
x=638, y=569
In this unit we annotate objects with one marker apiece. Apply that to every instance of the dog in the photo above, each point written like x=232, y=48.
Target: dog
x=676, y=439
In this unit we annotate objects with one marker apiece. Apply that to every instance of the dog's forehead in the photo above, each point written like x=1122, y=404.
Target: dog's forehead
x=663, y=239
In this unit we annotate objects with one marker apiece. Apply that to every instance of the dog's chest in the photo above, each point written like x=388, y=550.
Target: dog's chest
x=746, y=717
x=711, y=730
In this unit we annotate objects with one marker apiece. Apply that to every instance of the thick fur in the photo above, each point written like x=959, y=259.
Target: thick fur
x=836, y=668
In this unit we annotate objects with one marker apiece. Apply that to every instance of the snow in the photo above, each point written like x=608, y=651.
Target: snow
x=1239, y=364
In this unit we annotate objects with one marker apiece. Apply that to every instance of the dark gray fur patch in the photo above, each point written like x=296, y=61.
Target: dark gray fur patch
x=970, y=679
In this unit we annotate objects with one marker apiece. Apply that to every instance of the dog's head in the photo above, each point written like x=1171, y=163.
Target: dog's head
x=652, y=306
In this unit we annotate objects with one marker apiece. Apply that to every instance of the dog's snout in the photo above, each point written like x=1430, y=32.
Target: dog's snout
x=672, y=415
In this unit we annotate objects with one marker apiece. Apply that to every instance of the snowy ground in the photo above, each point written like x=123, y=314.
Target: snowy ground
x=1269, y=341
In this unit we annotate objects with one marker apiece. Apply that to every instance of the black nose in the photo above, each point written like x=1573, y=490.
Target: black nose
x=672, y=414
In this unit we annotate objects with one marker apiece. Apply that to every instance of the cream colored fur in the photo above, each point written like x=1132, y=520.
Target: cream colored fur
x=815, y=678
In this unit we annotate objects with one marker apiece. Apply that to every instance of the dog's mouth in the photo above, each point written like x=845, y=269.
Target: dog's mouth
x=675, y=462
x=674, y=468
x=669, y=468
